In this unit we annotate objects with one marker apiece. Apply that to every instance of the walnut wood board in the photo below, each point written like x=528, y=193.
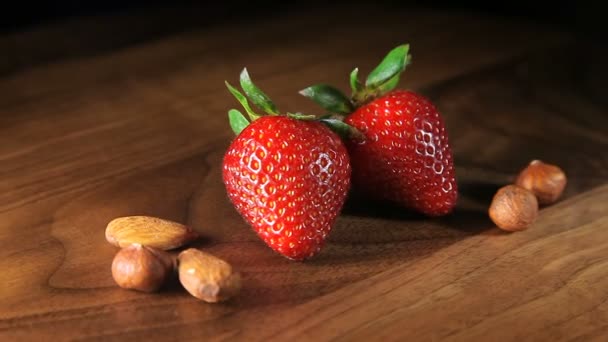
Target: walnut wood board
x=90, y=134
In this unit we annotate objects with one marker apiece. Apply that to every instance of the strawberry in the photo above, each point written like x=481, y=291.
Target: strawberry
x=405, y=155
x=287, y=175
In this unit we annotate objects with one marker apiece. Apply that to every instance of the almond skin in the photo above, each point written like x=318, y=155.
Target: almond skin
x=148, y=231
x=207, y=277
x=513, y=208
x=142, y=268
x=546, y=181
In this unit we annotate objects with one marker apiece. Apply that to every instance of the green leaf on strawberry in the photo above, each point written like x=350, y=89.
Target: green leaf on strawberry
x=343, y=129
x=243, y=101
x=256, y=95
x=300, y=116
x=389, y=85
x=393, y=64
x=329, y=98
x=355, y=85
x=238, y=121
x=382, y=79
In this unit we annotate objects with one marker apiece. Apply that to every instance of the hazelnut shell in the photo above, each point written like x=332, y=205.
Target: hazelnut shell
x=546, y=181
x=513, y=208
x=142, y=268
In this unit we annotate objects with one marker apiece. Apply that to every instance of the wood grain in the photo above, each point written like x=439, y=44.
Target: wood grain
x=141, y=130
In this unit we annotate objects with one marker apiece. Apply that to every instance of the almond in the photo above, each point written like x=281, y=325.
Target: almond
x=148, y=231
x=207, y=277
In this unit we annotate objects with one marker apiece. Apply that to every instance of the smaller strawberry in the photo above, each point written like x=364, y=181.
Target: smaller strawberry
x=405, y=156
x=287, y=175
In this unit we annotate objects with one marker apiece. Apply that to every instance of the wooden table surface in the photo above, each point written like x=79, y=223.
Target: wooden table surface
x=97, y=122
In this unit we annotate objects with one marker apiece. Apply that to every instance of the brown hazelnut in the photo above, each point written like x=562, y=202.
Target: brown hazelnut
x=513, y=208
x=546, y=181
x=142, y=268
x=207, y=277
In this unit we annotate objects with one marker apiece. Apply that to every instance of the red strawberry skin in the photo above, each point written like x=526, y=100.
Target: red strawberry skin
x=405, y=156
x=288, y=179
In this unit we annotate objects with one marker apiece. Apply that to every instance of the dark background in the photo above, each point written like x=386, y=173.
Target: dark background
x=578, y=16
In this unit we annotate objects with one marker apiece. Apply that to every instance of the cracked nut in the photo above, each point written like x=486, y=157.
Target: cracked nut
x=148, y=231
x=546, y=181
x=207, y=277
x=142, y=268
x=513, y=208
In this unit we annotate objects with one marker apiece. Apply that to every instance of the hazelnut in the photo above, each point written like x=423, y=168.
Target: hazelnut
x=513, y=208
x=207, y=277
x=142, y=268
x=546, y=181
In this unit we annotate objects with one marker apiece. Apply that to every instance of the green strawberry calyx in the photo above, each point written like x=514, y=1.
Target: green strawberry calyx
x=382, y=79
x=259, y=99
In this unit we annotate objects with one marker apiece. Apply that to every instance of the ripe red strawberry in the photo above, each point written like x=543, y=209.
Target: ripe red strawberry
x=405, y=155
x=287, y=175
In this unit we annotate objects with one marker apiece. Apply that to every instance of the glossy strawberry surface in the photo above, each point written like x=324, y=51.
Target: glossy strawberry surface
x=405, y=156
x=288, y=179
